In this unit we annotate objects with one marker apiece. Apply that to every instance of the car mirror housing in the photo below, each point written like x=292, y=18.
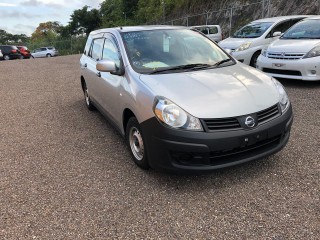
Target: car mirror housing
x=109, y=66
x=229, y=51
x=277, y=34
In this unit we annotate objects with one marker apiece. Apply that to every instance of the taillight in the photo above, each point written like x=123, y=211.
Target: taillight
x=13, y=50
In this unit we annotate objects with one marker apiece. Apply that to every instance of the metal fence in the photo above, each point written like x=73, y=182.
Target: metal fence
x=72, y=45
x=228, y=18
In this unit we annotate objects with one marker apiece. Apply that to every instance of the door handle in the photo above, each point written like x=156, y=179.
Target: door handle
x=98, y=74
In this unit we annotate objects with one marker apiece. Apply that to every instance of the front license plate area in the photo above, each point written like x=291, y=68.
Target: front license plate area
x=252, y=139
x=278, y=65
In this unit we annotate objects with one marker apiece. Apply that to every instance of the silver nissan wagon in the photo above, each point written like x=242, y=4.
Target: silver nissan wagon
x=182, y=103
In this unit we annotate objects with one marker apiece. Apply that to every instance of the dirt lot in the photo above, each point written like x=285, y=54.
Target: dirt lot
x=65, y=173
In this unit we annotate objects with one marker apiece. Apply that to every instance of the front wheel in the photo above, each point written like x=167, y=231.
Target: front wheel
x=136, y=143
x=87, y=99
x=253, y=62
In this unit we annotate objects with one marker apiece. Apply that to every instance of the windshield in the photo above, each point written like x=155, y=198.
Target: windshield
x=176, y=50
x=307, y=29
x=252, y=30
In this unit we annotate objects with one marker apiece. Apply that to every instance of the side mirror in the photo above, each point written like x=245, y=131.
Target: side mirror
x=106, y=66
x=229, y=51
x=276, y=34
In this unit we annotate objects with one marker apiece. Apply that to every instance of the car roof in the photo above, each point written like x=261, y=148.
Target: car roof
x=137, y=28
x=204, y=26
x=277, y=19
x=313, y=18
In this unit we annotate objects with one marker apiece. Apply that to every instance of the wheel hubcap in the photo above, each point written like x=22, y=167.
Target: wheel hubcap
x=86, y=95
x=136, y=143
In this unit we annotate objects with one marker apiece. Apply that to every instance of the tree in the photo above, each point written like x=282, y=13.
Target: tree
x=8, y=38
x=84, y=21
x=47, y=31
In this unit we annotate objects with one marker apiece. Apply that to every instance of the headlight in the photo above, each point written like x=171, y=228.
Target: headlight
x=173, y=116
x=283, y=97
x=244, y=46
x=315, y=52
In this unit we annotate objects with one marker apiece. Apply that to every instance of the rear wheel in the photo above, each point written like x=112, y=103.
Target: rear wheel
x=6, y=57
x=253, y=62
x=136, y=144
x=49, y=55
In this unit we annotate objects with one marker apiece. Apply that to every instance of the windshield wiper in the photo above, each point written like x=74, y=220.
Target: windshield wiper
x=183, y=67
x=221, y=62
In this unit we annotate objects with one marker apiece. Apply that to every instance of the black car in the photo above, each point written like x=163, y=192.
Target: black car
x=10, y=52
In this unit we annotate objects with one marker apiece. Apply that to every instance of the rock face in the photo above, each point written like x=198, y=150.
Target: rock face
x=231, y=15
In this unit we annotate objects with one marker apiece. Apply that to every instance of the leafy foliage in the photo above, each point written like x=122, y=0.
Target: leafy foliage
x=8, y=38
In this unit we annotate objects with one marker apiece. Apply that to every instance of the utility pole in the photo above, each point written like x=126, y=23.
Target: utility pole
x=125, y=18
x=164, y=10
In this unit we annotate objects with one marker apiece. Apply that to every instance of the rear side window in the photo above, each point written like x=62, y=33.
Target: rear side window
x=204, y=30
x=43, y=49
x=87, y=47
x=213, y=30
x=96, y=49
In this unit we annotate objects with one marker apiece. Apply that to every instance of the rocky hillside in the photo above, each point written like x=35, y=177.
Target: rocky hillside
x=198, y=12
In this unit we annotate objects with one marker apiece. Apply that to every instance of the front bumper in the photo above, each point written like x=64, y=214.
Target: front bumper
x=244, y=56
x=302, y=69
x=186, y=151
x=15, y=56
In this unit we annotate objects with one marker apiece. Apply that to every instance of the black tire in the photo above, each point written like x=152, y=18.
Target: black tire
x=253, y=62
x=87, y=99
x=136, y=143
x=49, y=55
x=6, y=57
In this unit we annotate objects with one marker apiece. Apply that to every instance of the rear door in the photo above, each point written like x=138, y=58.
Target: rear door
x=92, y=74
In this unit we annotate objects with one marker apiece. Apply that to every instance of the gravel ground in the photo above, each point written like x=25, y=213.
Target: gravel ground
x=65, y=173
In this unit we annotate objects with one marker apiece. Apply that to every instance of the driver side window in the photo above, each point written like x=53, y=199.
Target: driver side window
x=110, y=52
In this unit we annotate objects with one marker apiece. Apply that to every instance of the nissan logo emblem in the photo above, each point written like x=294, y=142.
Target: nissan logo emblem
x=250, y=122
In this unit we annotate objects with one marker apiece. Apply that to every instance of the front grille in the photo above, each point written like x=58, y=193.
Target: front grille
x=268, y=114
x=244, y=152
x=222, y=124
x=283, y=72
x=215, y=158
x=285, y=56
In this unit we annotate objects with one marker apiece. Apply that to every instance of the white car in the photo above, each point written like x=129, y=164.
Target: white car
x=296, y=55
x=44, y=52
x=1, y=55
x=211, y=31
x=247, y=42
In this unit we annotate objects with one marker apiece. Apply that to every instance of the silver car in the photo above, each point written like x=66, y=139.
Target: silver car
x=181, y=102
x=44, y=52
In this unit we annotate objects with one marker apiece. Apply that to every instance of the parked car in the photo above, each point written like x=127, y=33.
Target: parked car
x=211, y=31
x=10, y=52
x=247, y=42
x=44, y=52
x=1, y=55
x=180, y=101
x=24, y=52
x=296, y=54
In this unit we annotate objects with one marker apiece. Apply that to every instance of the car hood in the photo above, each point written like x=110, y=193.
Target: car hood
x=293, y=45
x=234, y=43
x=216, y=93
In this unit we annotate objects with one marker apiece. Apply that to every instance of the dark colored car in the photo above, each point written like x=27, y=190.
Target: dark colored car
x=24, y=51
x=10, y=52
